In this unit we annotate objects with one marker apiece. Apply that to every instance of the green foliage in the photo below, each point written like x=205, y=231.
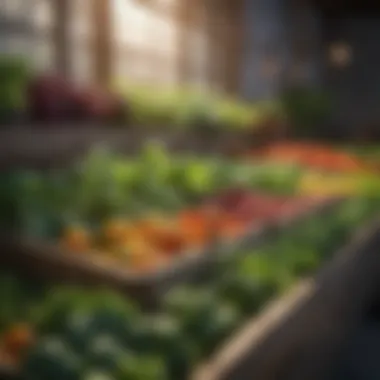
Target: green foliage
x=200, y=114
x=187, y=108
x=52, y=358
x=236, y=115
x=18, y=301
x=142, y=368
x=105, y=185
x=105, y=352
x=14, y=75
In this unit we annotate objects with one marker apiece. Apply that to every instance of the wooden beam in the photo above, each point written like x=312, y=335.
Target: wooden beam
x=219, y=39
x=103, y=40
x=60, y=36
x=185, y=19
x=234, y=39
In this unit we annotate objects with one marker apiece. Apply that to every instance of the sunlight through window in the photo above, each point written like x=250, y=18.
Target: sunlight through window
x=145, y=40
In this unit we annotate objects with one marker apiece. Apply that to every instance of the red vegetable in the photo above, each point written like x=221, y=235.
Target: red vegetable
x=55, y=99
x=312, y=155
x=49, y=98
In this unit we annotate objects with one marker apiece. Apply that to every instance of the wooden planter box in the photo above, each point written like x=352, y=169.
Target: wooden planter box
x=48, y=261
x=298, y=336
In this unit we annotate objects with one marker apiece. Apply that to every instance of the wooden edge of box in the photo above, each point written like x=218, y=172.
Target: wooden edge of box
x=296, y=326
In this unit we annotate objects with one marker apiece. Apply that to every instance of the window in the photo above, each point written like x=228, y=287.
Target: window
x=145, y=40
x=80, y=19
x=42, y=19
x=198, y=61
x=43, y=15
x=17, y=10
x=44, y=54
x=12, y=45
x=82, y=61
x=29, y=35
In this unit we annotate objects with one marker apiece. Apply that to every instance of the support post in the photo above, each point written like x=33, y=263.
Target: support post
x=60, y=36
x=103, y=41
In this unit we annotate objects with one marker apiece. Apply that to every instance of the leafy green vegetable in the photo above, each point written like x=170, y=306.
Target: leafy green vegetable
x=52, y=359
x=189, y=108
x=104, y=186
x=142, y=368
x=105, y=352
x=97, y=375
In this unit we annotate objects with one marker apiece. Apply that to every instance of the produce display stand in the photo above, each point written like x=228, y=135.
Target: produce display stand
x=298, y=336
x=48, y=261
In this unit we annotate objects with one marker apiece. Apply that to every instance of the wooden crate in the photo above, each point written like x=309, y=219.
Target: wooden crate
x=48, y=261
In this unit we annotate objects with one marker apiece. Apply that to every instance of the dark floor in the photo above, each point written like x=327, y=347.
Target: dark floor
x=361, y=358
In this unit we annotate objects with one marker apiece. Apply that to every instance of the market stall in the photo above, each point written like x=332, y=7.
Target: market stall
x=143, y=267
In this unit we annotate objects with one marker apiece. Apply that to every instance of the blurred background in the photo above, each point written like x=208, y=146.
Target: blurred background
x=252, y=51
x=314, y=60
x=198, y=159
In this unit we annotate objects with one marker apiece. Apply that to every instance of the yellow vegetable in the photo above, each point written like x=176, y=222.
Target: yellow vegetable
x=317, y=184
x=76, y=239
x=116, y=231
